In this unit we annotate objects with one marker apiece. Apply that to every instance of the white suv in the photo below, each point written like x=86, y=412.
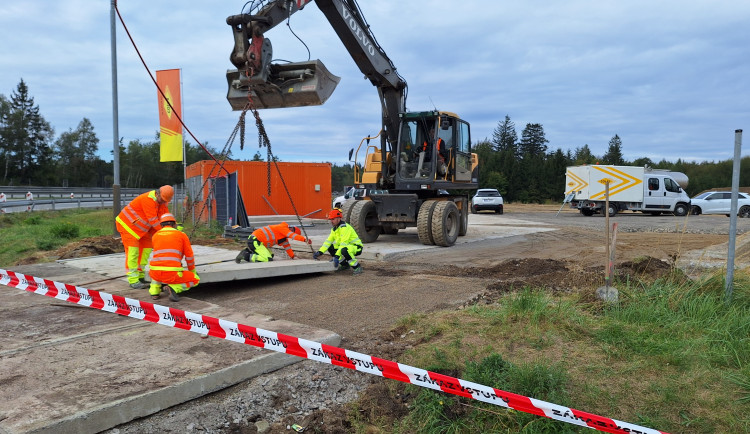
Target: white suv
x=720, y=202
x=487, y=199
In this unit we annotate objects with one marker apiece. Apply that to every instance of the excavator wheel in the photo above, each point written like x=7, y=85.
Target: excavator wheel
x=445, y=223
x=346, y=209
x=424, y=222
x=364, y=220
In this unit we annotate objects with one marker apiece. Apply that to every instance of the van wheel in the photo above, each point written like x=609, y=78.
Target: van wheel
x=680, y=210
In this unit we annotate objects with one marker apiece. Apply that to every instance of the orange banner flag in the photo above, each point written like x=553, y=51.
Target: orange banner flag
x=170, y=128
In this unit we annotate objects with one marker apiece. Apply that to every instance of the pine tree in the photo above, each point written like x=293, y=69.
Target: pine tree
x=26, y=137
x=533, y=142
x=504, y=138
x=614, y=152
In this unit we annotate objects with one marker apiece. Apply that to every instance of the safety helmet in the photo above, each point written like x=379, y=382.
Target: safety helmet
x=166, y=192
x=167, y=217
x=295, y=229
x=334, y=214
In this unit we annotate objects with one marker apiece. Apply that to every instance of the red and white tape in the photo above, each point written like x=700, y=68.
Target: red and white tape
x=232, y=331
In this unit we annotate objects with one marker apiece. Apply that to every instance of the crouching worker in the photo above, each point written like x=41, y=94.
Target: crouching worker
x=165, y=267
x=259, y=242
x=343, y=244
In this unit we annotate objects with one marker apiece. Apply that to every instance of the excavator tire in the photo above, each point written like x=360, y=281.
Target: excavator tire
x=424, y=222
x=464, y=226
x=363, y=216
x=445, y=223
x=346, y=209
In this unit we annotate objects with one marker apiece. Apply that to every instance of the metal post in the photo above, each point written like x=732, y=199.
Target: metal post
x=607, y=277
x=116, y=206
x=729, y=283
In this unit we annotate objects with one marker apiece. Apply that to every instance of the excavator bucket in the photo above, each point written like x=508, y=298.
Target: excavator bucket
x=282, y=85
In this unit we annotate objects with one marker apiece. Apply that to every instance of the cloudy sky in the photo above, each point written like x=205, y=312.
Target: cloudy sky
x=671, y=78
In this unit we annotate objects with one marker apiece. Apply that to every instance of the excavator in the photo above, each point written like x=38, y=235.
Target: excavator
x=423, y=167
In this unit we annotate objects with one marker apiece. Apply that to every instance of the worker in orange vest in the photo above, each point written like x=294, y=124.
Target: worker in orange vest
x=165, y=267
x=263, y=238
x=136, y=223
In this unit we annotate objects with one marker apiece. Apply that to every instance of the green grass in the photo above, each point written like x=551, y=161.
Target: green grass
x=671, y=355
x=24, y=234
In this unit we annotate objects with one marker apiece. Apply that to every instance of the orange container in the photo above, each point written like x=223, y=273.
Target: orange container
x=308, y=185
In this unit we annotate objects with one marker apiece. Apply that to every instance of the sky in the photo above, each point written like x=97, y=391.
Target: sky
x=670, y=78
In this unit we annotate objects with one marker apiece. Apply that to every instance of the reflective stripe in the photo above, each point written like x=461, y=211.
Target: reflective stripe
x=127, y=228
x=160, y=268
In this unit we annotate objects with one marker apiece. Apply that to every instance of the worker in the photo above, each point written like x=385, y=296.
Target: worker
x=137, y=223
x=427, y=149
x=343, y=244
x=261, y=240
x=165, y=267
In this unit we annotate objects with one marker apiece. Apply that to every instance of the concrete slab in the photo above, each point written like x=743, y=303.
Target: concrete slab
x=71, y=369
x=214, y=265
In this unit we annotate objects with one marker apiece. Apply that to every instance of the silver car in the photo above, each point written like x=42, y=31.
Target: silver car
x=720, y=202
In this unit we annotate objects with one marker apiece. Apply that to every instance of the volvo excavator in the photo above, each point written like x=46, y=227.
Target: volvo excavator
x=422, y=158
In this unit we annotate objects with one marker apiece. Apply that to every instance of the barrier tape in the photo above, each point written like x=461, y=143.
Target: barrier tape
x=269, y=340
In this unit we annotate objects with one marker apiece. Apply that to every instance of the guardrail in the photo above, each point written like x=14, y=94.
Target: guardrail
x=29, y=205
x=20, y=192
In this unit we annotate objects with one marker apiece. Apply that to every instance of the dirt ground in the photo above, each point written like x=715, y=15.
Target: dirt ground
x=365, y=309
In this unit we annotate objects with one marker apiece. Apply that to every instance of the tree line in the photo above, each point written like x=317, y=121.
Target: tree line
x=522, y=169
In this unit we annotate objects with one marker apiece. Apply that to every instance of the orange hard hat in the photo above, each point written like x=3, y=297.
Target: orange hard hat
x=166, y=192
x=335, y=214
x=167, y=217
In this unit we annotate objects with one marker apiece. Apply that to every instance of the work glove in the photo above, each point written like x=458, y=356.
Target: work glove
x=335, y=262
x=309, y=241
x=316, y=255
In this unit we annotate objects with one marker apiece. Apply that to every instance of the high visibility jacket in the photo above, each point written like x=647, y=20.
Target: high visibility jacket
x=170, y=246
x=440, y=146
x=141, y=215
x=341, y=236
x=277, y=234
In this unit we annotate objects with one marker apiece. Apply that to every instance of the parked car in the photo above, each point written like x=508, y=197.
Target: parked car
x=487, y=199
x=349, y=194
x=720, y=202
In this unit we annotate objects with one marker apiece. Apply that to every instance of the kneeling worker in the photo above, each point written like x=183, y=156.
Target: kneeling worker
x=165, y=267
x=263, y=238
x=343, y=244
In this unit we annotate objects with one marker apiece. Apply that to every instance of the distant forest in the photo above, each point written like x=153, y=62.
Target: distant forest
x=524, y=170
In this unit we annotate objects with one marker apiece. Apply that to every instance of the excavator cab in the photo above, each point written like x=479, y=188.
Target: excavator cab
x=435, y=149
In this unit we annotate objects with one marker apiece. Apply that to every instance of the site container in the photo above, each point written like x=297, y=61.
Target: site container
x=308, y=186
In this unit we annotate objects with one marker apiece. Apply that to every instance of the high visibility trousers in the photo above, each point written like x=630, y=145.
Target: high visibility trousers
x=179, y=281
x=136, y=254
x=257, y=251
x=347, y=254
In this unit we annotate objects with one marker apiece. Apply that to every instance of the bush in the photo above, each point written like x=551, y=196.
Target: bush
x=66, y=230
x=47, y=244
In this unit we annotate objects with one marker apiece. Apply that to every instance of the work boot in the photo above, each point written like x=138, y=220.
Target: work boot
x=155, y=297
x=357, y=270
x=240, y=256
x=138, y=285
x=172, y=294
x=343, y=266
x=144, y=281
